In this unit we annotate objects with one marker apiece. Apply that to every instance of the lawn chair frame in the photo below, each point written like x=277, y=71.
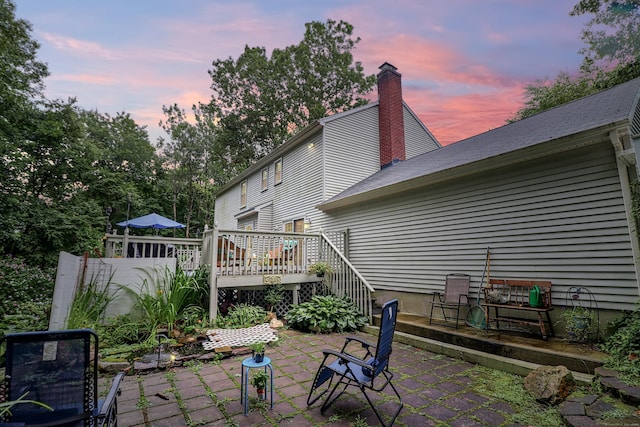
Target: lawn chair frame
x=456, y=295
x=59, y=369
x=343, y=368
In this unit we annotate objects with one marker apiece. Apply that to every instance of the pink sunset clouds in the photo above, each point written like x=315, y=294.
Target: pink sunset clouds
x=464, y=63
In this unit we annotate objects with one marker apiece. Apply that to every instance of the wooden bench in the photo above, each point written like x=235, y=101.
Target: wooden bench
x=513, y=295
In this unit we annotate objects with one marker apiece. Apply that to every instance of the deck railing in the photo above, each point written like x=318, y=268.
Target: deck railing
x=187, y=251
x=254, y=253
x=345, y=280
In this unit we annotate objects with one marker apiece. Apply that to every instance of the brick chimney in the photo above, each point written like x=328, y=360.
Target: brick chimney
x=390, y=116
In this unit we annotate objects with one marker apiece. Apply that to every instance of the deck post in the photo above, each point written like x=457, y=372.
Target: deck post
x=213, y=276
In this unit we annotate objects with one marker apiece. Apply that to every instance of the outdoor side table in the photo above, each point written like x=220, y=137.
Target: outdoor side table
x=248, y=364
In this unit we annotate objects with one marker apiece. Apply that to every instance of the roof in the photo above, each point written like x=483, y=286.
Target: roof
x=605, y=108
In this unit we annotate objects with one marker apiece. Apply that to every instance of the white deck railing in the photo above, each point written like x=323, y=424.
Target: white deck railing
x=254, y=253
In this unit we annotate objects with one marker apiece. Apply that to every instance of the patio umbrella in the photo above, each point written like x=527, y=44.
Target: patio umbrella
x=152, y=220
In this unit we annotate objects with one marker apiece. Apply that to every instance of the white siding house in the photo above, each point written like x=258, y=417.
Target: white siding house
x=325, y=158
x=550, y=195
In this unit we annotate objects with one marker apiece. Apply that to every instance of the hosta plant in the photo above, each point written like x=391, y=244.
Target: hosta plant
x=326, y=314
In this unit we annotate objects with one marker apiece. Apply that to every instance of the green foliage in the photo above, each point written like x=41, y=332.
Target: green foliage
x=123, y=330
x=326, y=314
x=510, y=388
x=257, y=347
x=190, y=151
x=243, y=316
x=259, y=101
x=580, y=323
x=22, y=74
x=5, y=407
x=612, y=57
x=274, y=294
x=25, y=295
x=260, y=379
x=89, y=305
x=623, y=346
x=612, y=33
x=164, y=298
x=320, y=268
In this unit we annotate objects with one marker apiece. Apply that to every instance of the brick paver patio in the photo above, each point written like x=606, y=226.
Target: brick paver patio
x=435, y=390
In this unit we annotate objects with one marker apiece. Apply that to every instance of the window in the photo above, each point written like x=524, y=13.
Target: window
x=265, y=178
x=277, y=173
x=293, y=226
x=243, y=194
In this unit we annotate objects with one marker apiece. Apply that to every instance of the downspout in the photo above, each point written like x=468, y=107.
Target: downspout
x=626, y=157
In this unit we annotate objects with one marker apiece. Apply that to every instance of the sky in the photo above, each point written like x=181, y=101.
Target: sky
x=464, y=63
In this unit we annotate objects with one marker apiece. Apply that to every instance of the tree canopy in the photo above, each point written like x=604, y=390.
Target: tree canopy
x=259, y=101
x=61, y=166
x=612, y=56
x=67, y=174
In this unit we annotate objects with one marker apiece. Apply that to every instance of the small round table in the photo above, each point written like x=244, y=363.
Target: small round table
x=248, y=364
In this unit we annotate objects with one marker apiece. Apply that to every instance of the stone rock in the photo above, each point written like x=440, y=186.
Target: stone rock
x=550, y=384
x=275, y=324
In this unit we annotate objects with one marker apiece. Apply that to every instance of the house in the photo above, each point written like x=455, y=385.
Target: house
x=280, y=191
x=551, y=195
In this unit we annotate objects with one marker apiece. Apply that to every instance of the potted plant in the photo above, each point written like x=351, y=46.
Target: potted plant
x=259, y=381
x=320, y=268
x=578, y=323
x=257, y=351
x=274, y=294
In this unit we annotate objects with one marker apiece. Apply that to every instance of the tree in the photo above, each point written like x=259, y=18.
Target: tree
x=60, y=166
x=21, y=74
x=612, y=56
x=21, y=80
x=42, y=210
x=127, y=173
x=612, y=34
x=188, y=158
x=260, y=101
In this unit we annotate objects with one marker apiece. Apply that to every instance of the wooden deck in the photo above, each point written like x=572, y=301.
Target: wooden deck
x=254, y=259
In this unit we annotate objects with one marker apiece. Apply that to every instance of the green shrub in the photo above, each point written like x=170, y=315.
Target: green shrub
x=89, y=305
x=164, y=297
x=26, y=294
x=123, y=330
x=623, y=346
x=326, y=314
x=243, y=316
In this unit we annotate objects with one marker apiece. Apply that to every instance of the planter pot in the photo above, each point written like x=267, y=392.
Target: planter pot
x=258, y=357
x=320, y=274
x=261, y=394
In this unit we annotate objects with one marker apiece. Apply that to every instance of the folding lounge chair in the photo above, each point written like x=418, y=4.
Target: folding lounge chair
x=366, y=372
x=456, y=294
x=59, y=369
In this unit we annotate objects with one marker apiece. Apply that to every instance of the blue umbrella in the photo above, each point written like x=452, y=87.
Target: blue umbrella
x=153, y=220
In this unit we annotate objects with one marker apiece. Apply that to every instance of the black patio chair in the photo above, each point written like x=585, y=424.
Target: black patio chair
x=369, y=370
x=60, y=370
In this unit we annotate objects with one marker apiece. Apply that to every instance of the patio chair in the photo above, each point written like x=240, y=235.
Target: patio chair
x=59, y=369
x=365, y=367
x=456, y=295
x=286, y=252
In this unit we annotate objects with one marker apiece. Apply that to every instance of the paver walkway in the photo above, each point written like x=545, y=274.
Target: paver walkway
x=435, y=389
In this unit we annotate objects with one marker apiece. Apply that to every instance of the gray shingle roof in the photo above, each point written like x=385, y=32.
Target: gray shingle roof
x=604, y=108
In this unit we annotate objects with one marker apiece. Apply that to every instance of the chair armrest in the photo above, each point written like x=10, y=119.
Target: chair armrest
x=110, y=400
x=365, y=344
x=346, y=358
